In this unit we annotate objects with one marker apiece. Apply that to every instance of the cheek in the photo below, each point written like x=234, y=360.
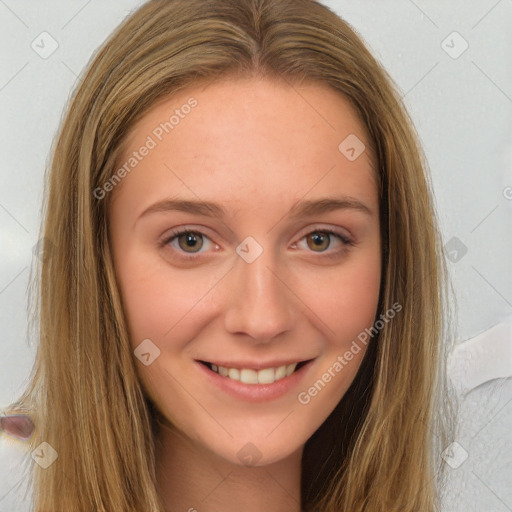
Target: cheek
x=347, y=306
x=346, y=298
x=359, y=295
x=158, y=300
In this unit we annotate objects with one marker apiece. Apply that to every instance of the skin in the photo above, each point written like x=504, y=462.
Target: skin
x=255, y=146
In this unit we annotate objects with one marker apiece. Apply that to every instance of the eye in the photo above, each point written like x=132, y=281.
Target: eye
x=188, y=241
x=321, y=239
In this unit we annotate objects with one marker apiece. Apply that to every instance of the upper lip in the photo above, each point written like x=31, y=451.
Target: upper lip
x=253, y=365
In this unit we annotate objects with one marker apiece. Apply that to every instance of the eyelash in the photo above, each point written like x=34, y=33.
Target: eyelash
x=346, y=241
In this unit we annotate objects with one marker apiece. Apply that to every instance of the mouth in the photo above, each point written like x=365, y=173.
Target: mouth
x=256, y=376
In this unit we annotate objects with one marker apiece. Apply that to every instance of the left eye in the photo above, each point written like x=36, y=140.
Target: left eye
x=191, y=242
x=321, y=239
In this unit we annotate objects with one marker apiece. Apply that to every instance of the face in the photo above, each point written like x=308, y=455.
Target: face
x=242, y=313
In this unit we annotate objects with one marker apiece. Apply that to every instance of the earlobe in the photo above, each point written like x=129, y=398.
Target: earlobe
x=18, y=426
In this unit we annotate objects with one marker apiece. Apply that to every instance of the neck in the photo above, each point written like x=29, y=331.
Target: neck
x=193, y=479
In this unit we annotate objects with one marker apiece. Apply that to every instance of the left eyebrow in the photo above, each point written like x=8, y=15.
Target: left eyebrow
x=309, y=208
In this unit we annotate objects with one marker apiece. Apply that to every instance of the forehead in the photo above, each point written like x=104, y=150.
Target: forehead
x=237, y=138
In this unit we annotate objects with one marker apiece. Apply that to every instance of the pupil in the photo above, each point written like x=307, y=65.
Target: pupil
x=190, y=241
x=318, y=239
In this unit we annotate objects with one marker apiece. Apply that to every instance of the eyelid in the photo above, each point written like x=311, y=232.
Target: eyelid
x=338, y=231
x=186, y=228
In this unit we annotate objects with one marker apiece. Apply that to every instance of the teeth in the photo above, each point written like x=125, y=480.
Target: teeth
x=290, y=369
x=281, y=372
x=234, y=374
x=248, y=376
x=266, y=376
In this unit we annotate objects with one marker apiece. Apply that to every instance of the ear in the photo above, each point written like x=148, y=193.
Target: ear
x=19, y=426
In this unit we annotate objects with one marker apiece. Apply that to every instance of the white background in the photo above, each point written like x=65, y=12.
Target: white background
x=462, y=108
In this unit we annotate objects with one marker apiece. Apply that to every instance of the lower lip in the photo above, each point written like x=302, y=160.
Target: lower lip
x=256, y=392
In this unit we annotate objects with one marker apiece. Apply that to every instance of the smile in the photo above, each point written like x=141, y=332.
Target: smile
x=255, y=381
x=251, y=376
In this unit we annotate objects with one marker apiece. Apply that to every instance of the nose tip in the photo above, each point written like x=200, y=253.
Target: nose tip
x=19, y=426
x=261, y=304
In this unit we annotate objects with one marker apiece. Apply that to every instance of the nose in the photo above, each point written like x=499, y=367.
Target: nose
x=260, y=304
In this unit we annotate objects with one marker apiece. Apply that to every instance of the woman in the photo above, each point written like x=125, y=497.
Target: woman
x=258, y=371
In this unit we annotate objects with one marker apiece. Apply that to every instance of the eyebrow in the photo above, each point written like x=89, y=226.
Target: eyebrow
x=300, y=209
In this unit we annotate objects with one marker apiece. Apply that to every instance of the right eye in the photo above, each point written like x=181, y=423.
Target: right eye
x=188, y=242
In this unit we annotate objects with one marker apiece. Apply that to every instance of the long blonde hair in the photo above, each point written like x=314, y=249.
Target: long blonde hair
x=380, y=448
